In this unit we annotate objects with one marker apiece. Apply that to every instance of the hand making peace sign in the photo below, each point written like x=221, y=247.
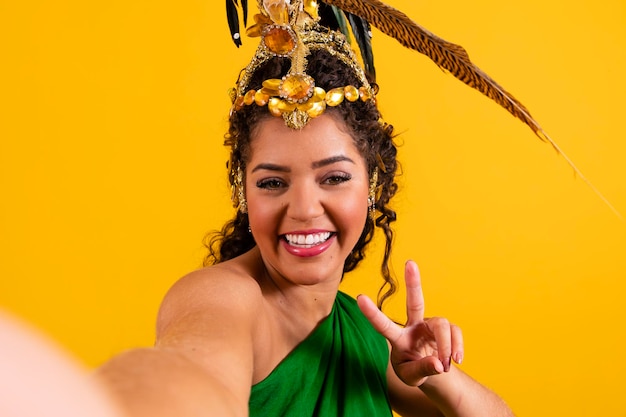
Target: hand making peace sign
x=423, y=347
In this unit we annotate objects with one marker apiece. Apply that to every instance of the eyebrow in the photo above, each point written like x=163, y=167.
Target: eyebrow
x=331, y=160
x=316, y=164
x=271, y=167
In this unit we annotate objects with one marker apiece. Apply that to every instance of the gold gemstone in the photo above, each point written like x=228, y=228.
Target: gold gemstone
x=272, y=85
x=279, y=40
x=316, y=108
x=272, y=105
x=351, y=93
x=285, y=106
x=260, y=21
x=364, y=93
x=318, y=94
x=260, y=98
x=238, y=103
x=335, y=96
x=296, y=87
x=248, y=98
x=254, y=31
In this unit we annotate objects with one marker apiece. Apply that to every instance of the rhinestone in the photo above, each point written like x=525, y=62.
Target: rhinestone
x=279, y=40
x=296, y=87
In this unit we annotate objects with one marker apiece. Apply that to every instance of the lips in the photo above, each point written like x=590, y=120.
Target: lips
x=307, y=244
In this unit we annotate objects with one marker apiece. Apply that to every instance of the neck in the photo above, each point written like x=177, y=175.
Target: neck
x=303, y=304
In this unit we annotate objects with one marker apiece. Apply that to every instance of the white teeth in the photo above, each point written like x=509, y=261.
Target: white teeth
x=307, y=240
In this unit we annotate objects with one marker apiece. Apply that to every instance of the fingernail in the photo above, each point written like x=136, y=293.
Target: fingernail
x=458, y=357
x=439, y=367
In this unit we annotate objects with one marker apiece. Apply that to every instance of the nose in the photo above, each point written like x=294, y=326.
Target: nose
x=305, y=202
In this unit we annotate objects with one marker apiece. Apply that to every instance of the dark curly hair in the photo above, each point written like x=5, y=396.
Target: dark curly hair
x=373, y=138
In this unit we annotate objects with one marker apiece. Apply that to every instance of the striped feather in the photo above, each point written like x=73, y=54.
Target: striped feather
x=454, y=59
x=448, y=56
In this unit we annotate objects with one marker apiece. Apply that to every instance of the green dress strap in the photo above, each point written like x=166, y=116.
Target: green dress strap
x=338, y=370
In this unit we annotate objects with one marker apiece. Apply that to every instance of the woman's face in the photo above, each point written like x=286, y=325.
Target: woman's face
x=307, y=198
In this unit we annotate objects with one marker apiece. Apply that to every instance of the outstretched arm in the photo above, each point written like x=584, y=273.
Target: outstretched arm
x=422, y=352
x=202, y=362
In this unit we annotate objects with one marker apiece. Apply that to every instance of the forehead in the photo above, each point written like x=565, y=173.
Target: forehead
x=322, y=137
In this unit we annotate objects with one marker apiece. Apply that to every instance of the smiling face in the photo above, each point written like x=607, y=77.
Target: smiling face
x=307, y=198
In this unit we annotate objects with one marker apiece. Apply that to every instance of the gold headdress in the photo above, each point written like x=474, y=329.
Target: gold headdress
x=291, y=29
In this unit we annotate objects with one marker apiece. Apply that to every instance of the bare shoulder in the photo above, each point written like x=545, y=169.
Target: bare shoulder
x=207, y=327
x=228, y=290
x=211, y=316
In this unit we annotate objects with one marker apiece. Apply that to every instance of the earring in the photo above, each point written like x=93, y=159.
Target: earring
x=238, y=194
x=241, y=193
x=371, y=199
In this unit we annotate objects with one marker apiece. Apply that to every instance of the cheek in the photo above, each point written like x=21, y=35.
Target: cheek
x=351, y=210
x=263, y=215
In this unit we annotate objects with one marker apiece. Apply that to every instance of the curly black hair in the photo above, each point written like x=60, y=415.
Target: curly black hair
x=373, y=138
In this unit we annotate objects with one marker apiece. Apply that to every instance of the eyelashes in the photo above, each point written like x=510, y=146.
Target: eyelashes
x=270, y=184
x=275, y=183
x=336, y=179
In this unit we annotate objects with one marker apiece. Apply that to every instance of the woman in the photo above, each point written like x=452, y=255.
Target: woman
x=264, y=330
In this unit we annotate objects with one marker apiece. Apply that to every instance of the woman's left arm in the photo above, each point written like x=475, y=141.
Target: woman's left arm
x=421, y=377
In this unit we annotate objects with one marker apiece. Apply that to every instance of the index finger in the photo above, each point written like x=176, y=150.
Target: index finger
x=414, y=294
x=383, y=324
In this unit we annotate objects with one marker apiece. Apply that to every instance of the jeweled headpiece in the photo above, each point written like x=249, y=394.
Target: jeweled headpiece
x=291, y=29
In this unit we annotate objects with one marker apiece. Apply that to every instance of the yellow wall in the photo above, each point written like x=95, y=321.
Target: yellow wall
x=111, y=171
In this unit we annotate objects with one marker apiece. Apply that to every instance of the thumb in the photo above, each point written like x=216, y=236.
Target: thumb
x=414, y=373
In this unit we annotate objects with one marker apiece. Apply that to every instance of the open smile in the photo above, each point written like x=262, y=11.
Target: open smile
x=307, y=244
x=307, y=240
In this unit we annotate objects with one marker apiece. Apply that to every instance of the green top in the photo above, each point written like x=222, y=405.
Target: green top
x=338, y=370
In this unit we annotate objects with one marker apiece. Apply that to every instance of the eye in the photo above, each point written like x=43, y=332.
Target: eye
x=270, y=184
x=336, y=179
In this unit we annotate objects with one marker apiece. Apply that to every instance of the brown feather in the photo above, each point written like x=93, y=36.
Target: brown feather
x=451, y=58
x=448, y=56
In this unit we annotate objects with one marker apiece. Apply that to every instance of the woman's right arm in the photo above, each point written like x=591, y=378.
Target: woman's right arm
x=202, y=362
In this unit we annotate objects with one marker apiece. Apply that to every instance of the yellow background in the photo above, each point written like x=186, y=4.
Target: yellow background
x=112, y=170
